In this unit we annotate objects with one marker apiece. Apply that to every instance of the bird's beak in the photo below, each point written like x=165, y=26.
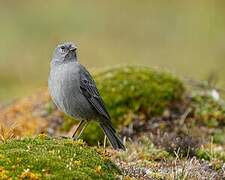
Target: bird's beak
x=73, y=48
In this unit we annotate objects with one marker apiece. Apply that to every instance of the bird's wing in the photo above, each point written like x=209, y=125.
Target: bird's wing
x=89, y=90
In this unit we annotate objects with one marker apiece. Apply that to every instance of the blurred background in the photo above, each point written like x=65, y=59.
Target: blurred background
x=186, y=37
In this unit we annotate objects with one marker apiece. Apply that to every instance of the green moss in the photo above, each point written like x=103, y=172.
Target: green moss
x=134, y=91
x=46, y=158
x=210, y=154
x=203, y=154
x=219, y=137
x=150, y=151
x=137, y=90
x=93, y=133
x=207, y=111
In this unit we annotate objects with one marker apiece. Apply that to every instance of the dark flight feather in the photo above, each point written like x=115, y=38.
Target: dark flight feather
x=90, y=91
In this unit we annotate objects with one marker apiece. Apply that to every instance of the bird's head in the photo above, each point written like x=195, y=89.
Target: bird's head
x=65, y=52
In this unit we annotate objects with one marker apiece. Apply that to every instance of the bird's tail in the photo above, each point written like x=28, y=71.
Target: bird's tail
x=112, y=136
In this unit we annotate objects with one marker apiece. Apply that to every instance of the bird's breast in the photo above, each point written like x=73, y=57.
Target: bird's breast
x=63, y=83
x=64, y=86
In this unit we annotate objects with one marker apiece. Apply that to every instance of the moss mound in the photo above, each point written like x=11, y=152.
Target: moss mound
x=138, y=89
x=134, y=91
x=46, y=158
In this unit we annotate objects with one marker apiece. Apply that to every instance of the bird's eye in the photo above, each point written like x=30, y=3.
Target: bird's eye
x=63, y=49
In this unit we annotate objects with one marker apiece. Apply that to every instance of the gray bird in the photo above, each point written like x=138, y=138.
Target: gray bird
x=74, y=92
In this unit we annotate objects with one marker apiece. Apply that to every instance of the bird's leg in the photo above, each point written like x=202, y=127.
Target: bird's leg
x=79, y=129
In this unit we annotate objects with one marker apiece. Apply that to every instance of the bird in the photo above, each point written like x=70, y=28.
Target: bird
x=74, y=92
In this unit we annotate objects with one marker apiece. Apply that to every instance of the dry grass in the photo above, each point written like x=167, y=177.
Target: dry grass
x=143, y=160
x=24, y=117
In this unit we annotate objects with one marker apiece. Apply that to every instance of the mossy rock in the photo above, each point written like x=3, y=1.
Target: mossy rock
x=47, y=158
x=133, y=91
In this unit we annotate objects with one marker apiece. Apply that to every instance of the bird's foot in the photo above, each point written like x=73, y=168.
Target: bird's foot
x=75, y=138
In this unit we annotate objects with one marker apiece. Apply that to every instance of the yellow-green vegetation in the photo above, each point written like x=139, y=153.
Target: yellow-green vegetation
x=46, y=158
x=208, y=111
x=137, y=90
x=213, y=152
x=132, y=91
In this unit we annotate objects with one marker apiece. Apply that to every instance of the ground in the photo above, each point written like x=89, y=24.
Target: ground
x=172, y=129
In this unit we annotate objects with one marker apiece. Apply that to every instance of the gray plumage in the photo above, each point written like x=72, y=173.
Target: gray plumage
x=74, y=92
